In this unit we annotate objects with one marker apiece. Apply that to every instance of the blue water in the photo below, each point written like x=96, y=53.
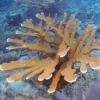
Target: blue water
x=84, y=9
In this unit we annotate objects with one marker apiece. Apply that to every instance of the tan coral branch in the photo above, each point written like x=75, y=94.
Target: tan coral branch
x=38, y=46
x=67, y=51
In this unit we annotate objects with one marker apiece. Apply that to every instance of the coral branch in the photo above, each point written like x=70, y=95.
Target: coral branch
x=19, y=64
x=28, y=24
x=54, y=82
x=65, y=48
x=38, y=46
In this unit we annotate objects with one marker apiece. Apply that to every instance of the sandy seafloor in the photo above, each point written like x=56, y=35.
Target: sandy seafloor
x=12, y=14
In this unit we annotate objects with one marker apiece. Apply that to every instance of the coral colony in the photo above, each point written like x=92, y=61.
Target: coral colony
x=62, y=59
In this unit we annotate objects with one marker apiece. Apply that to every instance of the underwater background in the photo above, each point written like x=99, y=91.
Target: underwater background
x=12, y=14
